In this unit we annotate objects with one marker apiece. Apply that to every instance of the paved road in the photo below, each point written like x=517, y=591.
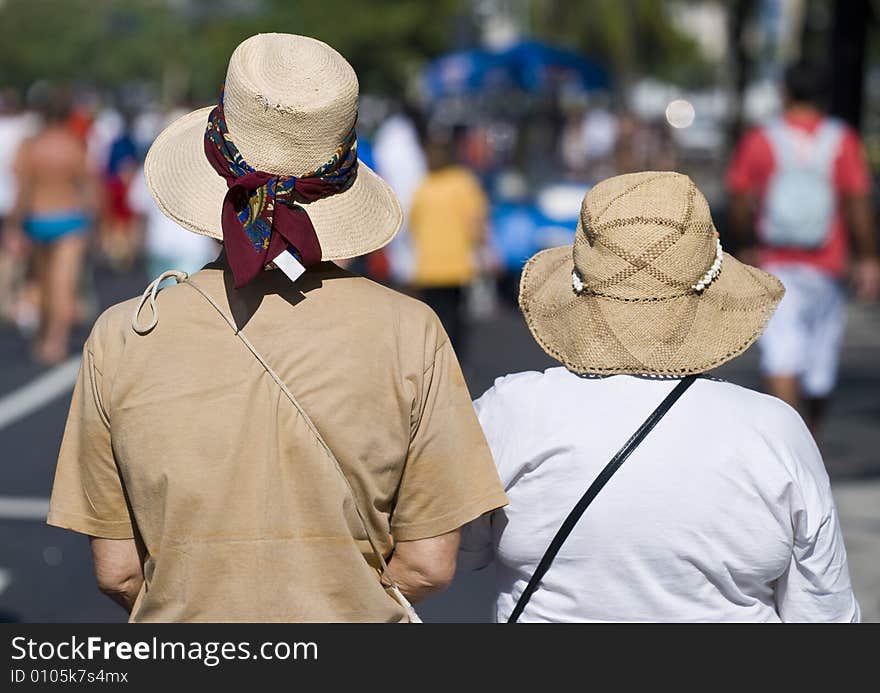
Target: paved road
x=45, y=574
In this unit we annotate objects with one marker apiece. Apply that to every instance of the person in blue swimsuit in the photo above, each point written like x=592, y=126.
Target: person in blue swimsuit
x=53, y=215
x=49, y=227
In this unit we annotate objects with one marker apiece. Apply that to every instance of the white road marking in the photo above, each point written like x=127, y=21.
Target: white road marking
x=17, y=508
x=39, y=392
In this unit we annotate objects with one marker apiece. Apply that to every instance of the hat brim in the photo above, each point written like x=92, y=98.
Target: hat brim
x=188, y=190
x=681, y=335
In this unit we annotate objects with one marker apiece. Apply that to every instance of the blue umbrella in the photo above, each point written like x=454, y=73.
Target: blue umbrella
x=530, y=66
x=467, y=72
x=537, y=66
x=514, y=227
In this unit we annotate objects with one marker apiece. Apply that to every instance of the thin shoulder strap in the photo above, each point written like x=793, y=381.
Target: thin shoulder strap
x=827, y=144
x=149, y=298
x=822, y=145
x=781, y=142
x=593, y=491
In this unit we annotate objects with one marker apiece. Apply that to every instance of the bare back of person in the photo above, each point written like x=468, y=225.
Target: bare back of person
x=53, y=167
x=54, y=212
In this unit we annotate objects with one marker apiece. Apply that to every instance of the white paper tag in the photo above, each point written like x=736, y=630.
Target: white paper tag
x=288, y=264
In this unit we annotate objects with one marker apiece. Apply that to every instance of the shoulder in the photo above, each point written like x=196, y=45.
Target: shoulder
x=430, y=180
x=513, y=384
x=773, y=436
x=760, y=410
x=765, y=425
x=410, y=309
x=753, y=156
x=25, y=147
x=465, y=177
x=462, y=172
x=111, y=330
x=518, y=391
x=506, y=414
x=115, y=318
x=755, y=145
x=850, y=140
x=850, y=134
x=840, y=125
x=757, y=136
x=379, y=313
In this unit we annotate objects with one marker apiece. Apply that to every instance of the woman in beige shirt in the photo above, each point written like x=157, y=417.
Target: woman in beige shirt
x=206, y=428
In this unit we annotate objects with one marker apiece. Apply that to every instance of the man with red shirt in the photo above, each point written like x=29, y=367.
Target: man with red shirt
x=801, y=194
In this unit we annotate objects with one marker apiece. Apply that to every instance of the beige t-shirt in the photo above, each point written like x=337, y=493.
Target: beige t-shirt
x=180, y=438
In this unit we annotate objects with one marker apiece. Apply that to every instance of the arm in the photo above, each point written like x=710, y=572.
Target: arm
x=89, y=183
x=749, y=169
x=816, y=587
x=13, y=237
x=477, y=546
x=742, y=221
x=860, y=219
x=449, y=478
x=481, y=214
x=425, y=567
x=118, y=569
x=88, y=495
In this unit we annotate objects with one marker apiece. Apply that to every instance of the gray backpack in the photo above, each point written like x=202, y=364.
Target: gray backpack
x=800, y=202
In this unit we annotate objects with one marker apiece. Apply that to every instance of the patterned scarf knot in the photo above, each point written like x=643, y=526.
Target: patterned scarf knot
x=262, y=215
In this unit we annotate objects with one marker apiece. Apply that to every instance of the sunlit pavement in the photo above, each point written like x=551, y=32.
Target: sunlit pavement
x=45, y=573
x=858, y=503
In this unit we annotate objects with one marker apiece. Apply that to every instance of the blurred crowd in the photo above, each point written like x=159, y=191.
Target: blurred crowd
x=482, y=189
x=73, y=196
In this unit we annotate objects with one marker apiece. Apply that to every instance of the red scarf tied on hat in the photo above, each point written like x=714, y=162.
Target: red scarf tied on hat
x=260, y=216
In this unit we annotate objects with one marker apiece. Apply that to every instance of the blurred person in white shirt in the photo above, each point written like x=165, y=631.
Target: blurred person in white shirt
x=401, y=161
x=166, y=248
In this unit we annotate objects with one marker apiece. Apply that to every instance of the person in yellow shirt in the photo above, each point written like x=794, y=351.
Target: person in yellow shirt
x=447, y=226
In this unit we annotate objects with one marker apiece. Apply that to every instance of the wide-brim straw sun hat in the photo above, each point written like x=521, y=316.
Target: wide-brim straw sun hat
x=646, y=287
x=289, y=103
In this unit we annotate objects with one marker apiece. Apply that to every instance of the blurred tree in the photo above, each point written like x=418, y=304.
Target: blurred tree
x=96, y=41
x=633, y=37
x=848, y=43
x=741, y=63
x=185, y=44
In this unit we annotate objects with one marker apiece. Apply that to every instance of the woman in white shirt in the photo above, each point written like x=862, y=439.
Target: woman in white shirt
x=724, y=511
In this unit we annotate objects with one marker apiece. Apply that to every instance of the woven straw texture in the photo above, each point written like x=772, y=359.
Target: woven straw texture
x=290, y=101
x=643, y=240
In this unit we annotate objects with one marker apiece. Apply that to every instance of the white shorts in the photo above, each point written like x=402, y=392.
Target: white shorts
x=804, y=336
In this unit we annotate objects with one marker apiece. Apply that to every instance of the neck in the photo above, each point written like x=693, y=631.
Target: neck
x=802, y=109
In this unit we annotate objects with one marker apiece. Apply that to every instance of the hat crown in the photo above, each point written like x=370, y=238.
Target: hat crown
x=644, y=236
x=289, y=102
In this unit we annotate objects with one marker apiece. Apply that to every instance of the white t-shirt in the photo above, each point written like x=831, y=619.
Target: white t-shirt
x=401, y=162
x=164, y=238
x=723, y=513
x=399, y=158
x=14, y=129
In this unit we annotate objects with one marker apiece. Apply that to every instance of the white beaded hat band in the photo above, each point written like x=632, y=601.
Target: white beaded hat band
x=577, y=282
x=647, y=294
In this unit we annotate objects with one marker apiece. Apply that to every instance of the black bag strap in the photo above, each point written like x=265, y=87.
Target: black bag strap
x=593, y=491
